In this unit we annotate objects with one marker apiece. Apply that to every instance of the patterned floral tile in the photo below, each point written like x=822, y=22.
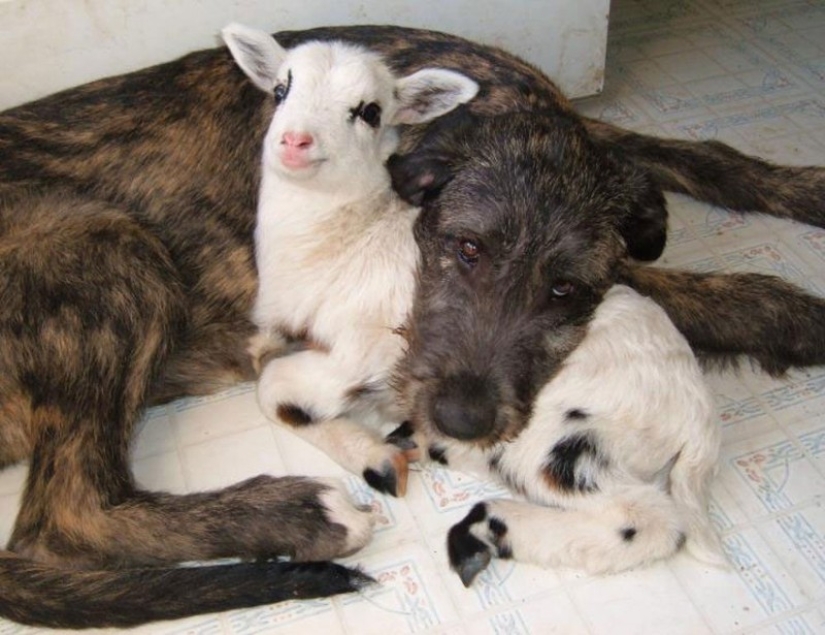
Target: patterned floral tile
x=798, y=538
x=649, y=601
x=553, y=613
x=770, y=474
x=309, y=616
x=410, y=596
x=755, y=589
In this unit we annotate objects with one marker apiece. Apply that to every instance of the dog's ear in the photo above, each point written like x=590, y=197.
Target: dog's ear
x=645, y=226
x=419, y=175
x=642, y=209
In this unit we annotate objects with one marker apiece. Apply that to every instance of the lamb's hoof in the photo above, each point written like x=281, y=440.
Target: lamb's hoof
x=405, y=438
x=468, y=555
x=402, y=437
x=391, y=477
x=475, y=564
x=438, y=454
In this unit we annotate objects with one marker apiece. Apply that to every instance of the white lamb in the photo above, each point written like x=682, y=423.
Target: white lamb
x=334, y=244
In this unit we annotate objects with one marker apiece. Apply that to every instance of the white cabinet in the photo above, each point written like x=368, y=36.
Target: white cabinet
x=48, y=45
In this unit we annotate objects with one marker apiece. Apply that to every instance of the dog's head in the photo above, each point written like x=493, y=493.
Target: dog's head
x=522, y=226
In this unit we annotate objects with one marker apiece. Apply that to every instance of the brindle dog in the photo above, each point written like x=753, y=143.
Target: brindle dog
x=526, y=222
x=126, y=277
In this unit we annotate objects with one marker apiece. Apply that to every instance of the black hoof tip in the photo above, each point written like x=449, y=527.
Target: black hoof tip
x=468, y=555
x=470, y=568
x=401, y=437
x=385, y=481
x=438, y=454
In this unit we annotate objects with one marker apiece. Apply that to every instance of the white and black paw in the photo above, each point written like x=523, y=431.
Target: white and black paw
x=473, y=542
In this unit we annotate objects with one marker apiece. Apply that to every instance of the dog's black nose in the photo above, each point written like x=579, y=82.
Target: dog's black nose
x=465, y=407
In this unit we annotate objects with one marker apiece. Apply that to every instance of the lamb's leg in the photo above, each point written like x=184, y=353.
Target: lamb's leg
x=311, y=392
x=604, y=534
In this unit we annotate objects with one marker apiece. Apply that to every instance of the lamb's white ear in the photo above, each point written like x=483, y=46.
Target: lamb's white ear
x=256, y=52
x=430, y=93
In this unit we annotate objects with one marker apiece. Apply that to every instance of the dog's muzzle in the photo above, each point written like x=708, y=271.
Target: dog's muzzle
x=465, y=407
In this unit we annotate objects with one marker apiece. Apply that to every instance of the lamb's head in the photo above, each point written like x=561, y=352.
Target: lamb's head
x=337, y=105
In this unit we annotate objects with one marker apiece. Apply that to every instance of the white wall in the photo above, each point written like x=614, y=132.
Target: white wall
x=48, y=45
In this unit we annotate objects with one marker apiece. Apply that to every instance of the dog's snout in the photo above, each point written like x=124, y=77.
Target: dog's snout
x=465, y=407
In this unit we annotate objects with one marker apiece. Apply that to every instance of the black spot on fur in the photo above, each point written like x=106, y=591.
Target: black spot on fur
x=498, y=531
x=575, y=414
x=477, y=514
x=294, y=415
x=560, y=469
x=497, y=528
x=438, y=454
x=680, y=542
x=628, y=534
x=504, y=551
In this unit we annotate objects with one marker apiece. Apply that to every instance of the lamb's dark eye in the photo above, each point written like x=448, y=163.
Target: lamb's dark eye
x=282, y=90
x=562, y=288
x=468, y=251
x=369, y=113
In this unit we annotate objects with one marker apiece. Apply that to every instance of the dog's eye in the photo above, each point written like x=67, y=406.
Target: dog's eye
x=468, y=251
x=369, y=113
x=562, y=288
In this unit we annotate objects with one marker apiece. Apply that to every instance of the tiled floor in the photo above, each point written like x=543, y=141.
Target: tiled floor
x=746, y=72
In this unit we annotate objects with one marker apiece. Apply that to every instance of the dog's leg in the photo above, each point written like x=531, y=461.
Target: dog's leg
x=724, y=316
x=91, y=308
x=311, y=391
x=605, y=533
x=714, y=172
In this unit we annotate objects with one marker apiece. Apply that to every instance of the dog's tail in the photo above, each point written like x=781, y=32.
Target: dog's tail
x=727, y=315
x=716, y=173
x=41, y=595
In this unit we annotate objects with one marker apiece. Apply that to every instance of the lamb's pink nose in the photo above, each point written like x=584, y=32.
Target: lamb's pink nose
x=295, y=147
x=302, y=140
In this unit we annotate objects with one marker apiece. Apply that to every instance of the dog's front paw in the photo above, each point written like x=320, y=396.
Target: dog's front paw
x=473, y=542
